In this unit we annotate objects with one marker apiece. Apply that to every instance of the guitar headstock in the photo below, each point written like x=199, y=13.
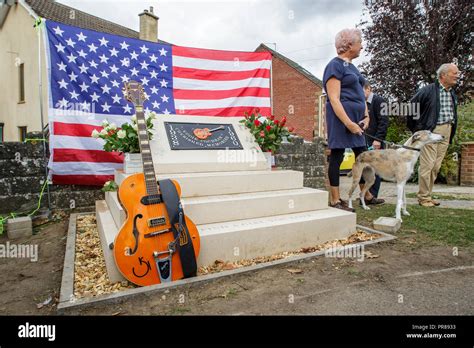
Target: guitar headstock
x=133, y=91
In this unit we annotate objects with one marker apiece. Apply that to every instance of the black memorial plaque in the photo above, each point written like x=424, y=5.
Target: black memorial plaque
x=202, y=136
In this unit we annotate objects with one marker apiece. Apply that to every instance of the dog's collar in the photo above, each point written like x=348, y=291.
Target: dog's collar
x=392, y=143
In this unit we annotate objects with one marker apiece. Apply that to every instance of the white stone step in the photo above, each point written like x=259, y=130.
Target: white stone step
x=246, y=239
x=222, y=183
x=221, y=208
x=249, y=238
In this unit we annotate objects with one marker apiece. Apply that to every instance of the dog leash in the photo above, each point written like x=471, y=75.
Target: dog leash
x=392, y=143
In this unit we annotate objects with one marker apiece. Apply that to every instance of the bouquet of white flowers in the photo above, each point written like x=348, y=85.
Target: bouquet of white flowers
x=125, y=138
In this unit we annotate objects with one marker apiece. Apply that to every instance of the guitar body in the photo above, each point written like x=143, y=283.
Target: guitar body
x=133, y=252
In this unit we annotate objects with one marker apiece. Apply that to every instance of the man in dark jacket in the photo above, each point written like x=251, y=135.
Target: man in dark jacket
x=377, y=128
x=437, y=106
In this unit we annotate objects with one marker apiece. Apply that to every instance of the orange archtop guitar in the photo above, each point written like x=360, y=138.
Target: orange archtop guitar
x=157, y=242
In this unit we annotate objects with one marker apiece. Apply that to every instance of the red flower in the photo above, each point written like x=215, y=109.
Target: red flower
x=262, y=134
x=272, y=117
x=291, y=129
x=268, y=128
x=256, y=123
x=283, y=121
x=277, y=122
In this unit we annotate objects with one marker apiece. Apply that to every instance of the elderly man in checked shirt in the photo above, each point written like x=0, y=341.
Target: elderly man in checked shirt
x=437, y=113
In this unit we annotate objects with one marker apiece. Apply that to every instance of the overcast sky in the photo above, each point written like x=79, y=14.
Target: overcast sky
x=303, y=30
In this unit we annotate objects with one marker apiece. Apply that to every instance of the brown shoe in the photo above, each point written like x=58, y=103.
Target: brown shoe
x=373, y=201
x=426, y=203
x=436, y=203
x=342, y=206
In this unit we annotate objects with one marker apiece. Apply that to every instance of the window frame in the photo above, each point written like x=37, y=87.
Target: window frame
x=21, y=83
x=23, y=131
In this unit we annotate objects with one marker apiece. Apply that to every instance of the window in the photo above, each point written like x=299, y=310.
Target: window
x=21, y=83
x=2, y=126
x=22, y=131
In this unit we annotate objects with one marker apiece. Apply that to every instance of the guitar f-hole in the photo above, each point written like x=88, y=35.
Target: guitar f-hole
x=135, y=232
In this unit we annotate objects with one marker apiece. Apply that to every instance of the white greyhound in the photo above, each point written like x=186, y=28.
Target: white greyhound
x=392, y=165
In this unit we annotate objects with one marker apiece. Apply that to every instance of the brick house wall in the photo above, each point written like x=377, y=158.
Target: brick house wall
x=294, y=96
x=467, y=164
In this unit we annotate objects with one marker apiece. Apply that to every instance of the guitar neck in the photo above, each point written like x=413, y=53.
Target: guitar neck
x=148, y=168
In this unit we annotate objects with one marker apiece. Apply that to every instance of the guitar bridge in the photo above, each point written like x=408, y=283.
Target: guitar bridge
x=159, y=221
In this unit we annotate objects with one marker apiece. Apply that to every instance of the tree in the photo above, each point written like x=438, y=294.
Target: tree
x=408, y=40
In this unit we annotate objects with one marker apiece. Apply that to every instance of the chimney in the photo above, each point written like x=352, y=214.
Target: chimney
x=148, y=25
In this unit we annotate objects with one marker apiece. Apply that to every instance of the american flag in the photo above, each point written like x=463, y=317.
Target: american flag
x=87, y=70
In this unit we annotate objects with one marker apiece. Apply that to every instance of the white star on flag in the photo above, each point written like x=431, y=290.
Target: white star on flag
x=81, y=37
x=60, y=47
x=58, y=31
x=74, y=95
x=92, y=48
x=70, y=42
x=124, y=45
x=95, y=97
x=83, y=68
x=103, y=41
x=62, y=103
x=105, y=89
x=116, y=98
x=94, y=79
x=105, y=107
x=84, y=87
x=72, y=76
x=63, y=84
x=62, y=66
x=127, y=109
x=113, y=52
x=163, y=67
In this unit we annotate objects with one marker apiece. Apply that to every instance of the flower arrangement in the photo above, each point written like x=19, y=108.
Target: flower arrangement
x=110, y=186
x=125, y=138
x=268, y=132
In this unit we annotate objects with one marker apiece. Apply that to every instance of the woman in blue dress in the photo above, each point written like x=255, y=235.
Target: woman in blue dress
x=346, y=108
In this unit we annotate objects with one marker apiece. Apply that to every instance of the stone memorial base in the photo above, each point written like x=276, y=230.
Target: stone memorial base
x=241, y=208
x=241, y=215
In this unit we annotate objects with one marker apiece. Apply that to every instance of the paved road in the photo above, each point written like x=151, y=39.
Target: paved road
x=388, y=191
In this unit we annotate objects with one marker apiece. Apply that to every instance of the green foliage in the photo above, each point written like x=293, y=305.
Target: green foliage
x=110, y=186
x=449, y=171
x=125, y=138
x=397, y=131
x=268, y=132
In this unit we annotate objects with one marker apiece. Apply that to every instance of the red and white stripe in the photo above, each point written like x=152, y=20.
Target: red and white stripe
x=220, y=83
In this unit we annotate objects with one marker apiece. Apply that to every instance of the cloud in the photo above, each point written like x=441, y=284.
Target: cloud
x=303, y=30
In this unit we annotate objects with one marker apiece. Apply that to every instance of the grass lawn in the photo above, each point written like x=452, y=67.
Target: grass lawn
x=426, y=226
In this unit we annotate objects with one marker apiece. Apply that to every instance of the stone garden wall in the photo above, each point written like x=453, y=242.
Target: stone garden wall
x=308, y=157
x=22, y=174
